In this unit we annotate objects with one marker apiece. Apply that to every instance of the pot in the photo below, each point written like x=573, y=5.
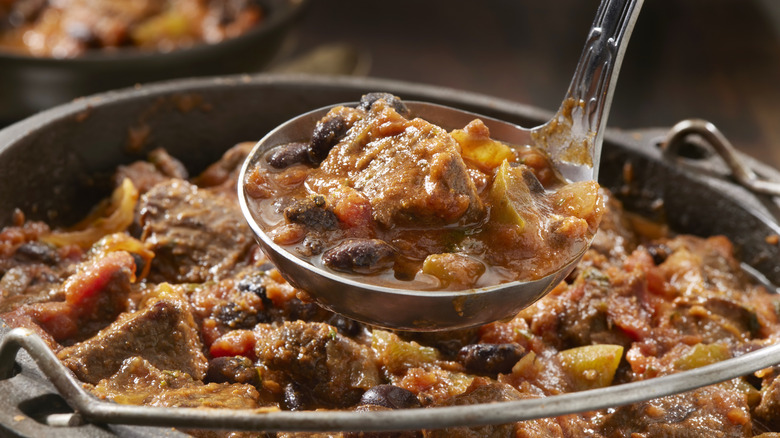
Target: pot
x=55, y=165
x=31, y=84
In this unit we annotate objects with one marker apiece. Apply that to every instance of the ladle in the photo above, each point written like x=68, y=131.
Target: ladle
x=573, y=140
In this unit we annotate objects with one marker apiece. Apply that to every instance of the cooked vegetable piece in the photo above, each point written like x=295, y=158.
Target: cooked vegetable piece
x=398, y=354
x=581, y=199
x=591, y=366
x=703, y=354
x=478, y=147
x=453, y=268
x=511, y=196
x=112, y=216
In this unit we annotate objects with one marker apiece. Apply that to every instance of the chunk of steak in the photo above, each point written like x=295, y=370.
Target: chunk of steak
x=29, y=268
x=480, y=391
x=94, y=296
x=138, y=382
x=410, y=170
x=163, y=333
x=196, y=235
x=222, y=176
x=710, y=411
x=767, y=409
x=146, y=174
x=336, y=369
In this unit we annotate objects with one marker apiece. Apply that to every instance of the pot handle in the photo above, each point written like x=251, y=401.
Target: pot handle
x=740, y=171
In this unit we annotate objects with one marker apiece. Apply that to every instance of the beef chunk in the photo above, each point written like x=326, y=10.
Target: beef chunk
x=28, y=267
x=708, y=411
x=313, y=213
x=480, y=391
x=615, y=237
x=223, y=175
x=93, y=297
x=139, y=382
x=410, y=170
x=163, y=333
x=196, y=236
x=147, y=174
x=232, y=369
x=336, y=369
x=767, y=409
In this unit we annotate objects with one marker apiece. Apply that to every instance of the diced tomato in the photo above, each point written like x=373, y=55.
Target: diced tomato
x=353, y=210
x=234, y=343
x=82, y=288
x=57, y=319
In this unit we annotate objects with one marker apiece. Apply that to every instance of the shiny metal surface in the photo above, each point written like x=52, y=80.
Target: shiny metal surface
x=699, y=198
x=723, y=147
x=572, y=137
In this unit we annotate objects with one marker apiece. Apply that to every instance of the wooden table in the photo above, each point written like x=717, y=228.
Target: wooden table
x=713, y=59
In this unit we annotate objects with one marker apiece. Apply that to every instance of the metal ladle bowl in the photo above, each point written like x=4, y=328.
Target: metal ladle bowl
x=573, y=140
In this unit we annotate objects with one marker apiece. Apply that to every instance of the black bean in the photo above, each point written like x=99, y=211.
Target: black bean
x=312, y=212
x=345, y=326
x=295, y=398
x=296, y=309
x=236, y=369
x=237, y=317
x=659, y=251
x=140, y=263
x=368, y=100
x=254, y=284
x=36, y=252
x=288, y=154
x=327, y=133
x=364, y=256
x=390, y=396
x=490, y=358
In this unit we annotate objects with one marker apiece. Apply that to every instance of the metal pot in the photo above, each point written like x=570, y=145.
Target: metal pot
x=31, y=84
x=54, y=165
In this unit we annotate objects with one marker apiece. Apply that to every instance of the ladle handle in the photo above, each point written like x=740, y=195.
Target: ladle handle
x=594, y=79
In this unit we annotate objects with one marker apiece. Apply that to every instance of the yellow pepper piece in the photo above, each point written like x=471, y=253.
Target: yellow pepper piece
x=477, y=146
x=703, y=354
x=591, y=366
x=511, y=198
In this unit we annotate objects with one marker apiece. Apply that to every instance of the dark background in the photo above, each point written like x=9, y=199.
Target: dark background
x=713, y=59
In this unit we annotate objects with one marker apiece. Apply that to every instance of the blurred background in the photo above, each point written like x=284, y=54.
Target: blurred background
x=713, y=59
